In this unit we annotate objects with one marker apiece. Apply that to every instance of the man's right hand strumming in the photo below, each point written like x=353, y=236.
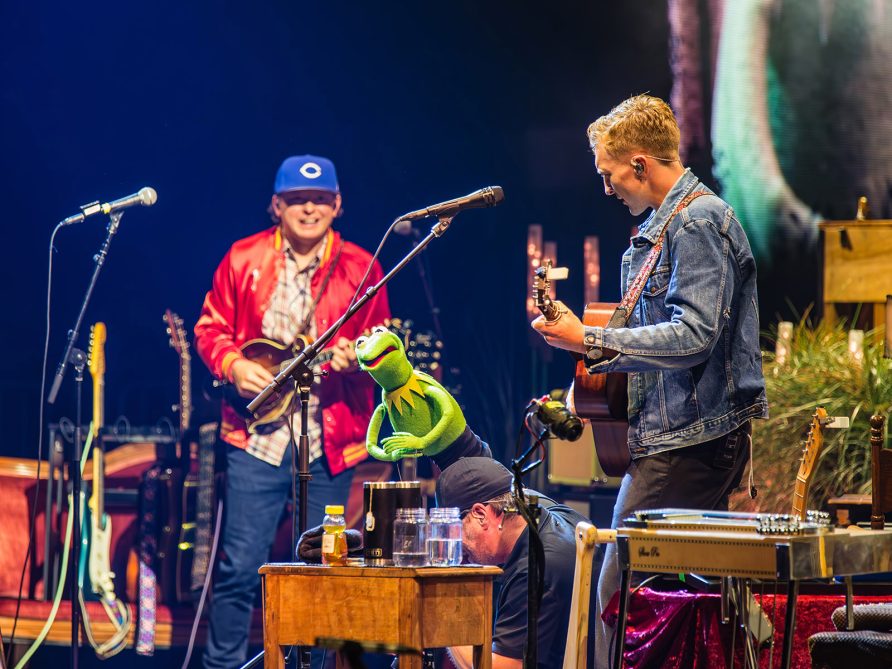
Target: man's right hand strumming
x=249, y=377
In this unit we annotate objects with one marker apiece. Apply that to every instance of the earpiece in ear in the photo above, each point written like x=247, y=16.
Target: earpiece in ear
x=638, y=166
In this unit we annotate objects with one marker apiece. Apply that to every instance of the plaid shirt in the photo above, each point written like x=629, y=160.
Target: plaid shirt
x=288, y=310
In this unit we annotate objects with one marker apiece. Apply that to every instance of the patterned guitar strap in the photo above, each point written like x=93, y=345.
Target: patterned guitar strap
x=145, y=634
x=623, y=312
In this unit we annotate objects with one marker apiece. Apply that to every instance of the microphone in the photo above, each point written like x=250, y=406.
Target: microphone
x=485, y=197
x=557, y=417
x=146, y=197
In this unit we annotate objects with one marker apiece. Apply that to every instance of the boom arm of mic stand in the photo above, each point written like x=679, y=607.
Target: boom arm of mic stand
x=99, y=259
x=309, y=353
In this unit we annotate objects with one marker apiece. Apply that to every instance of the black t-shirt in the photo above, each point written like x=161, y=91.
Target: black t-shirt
x=557, y=527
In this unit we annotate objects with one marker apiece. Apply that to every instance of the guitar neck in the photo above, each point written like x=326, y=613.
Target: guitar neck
x=800, y=495
x=97, y=498
x=813, y=445
x=185, y=392
x=321, y=358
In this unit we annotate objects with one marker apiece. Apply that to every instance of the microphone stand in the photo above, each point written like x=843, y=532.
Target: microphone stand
x=78, y=359
x=299, y=370
x=304, y=379
x=311, y=351
x=529, y=508
x=428, y=290
x=99, y=259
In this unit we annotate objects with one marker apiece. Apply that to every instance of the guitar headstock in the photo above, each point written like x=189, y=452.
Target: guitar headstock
x=177, y=333
x=97, y=349
x=542, y=293
x=814, y=442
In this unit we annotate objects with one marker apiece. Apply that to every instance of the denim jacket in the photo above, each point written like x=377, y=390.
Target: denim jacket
x=691, y=347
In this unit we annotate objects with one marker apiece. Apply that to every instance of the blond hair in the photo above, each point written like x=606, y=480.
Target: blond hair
x=641, y=123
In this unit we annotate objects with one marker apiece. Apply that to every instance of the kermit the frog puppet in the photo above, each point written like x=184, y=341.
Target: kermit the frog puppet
x=425, y=418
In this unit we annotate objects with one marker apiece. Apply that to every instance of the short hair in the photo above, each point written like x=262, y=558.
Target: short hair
x=643, y=122
x=504, y=503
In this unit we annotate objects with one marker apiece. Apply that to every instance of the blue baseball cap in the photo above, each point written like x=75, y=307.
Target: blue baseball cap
x=306, y=173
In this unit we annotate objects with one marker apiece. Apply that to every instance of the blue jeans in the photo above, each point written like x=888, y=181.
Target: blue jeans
x=255, y=496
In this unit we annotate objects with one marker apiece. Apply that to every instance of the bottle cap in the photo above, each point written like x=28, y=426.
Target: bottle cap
x=334, y=509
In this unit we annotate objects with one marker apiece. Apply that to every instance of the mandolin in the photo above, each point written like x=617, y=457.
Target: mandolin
x=423, y=349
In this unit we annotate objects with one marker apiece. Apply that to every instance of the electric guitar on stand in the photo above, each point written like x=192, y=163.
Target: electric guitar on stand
x=196, y=488
x=601, y=398
x=98, y=560
x=813, y=445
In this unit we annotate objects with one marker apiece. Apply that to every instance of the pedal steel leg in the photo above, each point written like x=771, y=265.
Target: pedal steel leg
x=625, y=580
x=789, y=622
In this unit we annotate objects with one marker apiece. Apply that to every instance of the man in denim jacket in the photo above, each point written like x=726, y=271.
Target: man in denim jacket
x=691, y=343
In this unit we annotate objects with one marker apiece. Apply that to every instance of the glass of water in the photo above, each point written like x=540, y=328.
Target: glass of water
x=410, y=530
x=444, y=542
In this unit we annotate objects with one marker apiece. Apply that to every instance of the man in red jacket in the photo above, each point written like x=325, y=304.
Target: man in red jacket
x=295, y=278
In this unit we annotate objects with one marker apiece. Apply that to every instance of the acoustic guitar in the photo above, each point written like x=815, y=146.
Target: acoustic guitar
x=601, y=398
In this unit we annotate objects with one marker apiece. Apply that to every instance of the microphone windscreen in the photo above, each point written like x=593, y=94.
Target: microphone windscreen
x=403, y=227
x=148, y=196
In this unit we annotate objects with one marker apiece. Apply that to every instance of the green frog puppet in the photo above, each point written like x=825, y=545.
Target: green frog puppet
x=425, y=418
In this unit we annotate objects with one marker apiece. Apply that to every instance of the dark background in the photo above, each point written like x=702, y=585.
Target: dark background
x=414, y=103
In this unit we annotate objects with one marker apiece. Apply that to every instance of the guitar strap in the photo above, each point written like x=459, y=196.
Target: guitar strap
x=623, y=312
x=312, y=310
x=148, y=547
x=204, y=511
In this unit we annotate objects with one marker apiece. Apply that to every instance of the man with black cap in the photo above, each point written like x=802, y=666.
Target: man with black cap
x=294, y=278
x=493, y=533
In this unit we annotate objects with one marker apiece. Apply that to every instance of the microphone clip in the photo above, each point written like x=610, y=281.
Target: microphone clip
x=555, y=417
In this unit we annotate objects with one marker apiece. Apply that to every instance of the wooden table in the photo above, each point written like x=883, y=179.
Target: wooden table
x=428, y=607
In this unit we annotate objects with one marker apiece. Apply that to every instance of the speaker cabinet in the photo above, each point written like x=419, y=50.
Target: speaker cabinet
x=575, y=463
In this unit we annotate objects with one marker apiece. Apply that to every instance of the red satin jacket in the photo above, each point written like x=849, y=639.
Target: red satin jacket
x=233, y=314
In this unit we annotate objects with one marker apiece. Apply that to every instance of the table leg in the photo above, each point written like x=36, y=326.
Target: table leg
x=273, y=657
x=411, y=661
x=483, y=653
x=482, y=658
x=625, y=579
x=789, y=623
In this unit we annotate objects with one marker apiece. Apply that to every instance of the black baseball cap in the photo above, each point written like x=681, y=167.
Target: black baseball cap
x=471, y=480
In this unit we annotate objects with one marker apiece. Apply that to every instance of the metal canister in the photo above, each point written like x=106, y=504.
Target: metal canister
x=380, y=500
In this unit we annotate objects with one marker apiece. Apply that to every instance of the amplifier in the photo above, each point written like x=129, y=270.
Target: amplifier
x=575, y=463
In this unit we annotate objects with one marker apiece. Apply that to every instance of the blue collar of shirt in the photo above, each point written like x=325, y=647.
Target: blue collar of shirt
x=650, y=229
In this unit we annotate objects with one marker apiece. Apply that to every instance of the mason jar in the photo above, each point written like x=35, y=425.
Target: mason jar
x=444, y=540
x=410, y=531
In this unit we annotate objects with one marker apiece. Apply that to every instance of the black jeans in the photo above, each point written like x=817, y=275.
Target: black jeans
x=694, y=477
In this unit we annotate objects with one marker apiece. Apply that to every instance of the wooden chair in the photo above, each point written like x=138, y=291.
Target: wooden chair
x=587, y=539
x=881, y=473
